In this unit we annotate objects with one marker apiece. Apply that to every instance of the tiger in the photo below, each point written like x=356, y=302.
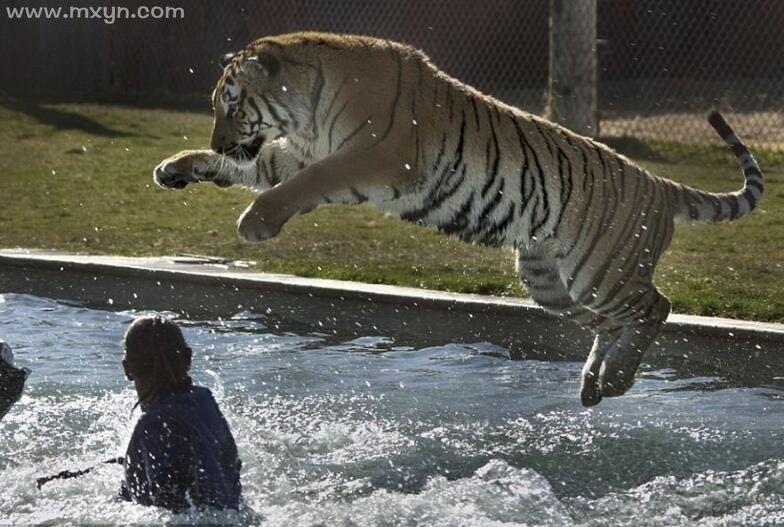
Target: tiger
x=310, y=119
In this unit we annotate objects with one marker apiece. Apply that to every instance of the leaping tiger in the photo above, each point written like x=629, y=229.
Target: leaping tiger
x=310, y=119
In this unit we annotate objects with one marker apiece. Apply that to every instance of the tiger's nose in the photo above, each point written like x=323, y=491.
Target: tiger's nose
x=216, y=142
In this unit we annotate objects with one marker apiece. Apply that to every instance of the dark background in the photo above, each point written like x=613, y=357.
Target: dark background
x=655, y=56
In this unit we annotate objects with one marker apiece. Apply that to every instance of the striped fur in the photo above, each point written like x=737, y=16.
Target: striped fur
x=310, y=119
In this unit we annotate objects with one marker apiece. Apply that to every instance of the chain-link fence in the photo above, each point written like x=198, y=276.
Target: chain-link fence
x=661, y=63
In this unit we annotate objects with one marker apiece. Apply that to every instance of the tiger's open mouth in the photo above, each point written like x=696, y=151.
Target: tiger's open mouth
x=248, y=151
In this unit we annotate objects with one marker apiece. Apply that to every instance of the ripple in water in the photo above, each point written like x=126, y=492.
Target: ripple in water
x=367, y=432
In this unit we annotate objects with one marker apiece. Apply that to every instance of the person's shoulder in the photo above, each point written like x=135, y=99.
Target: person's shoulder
x=201, y=390
x=203, y=394
x=158, y=418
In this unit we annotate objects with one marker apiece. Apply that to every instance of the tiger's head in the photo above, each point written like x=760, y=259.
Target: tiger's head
x=260, y=97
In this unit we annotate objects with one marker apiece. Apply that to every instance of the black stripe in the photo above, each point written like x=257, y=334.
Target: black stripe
x=273, y=178
x=756, y=184
x=543, y=194
x=316, y=97
x=739, y=149
x=624, y=308
x=361, y=198
x=524, y=182
x=458, y=157
x=608, y=209
x=440, y=154
x=350, y=136
x=544, y=137
x=435, y=199
x=734, y=206
x=629, y=269
x=753, y=172
x=417, y=214
x=751, y=199
x=623, y=239
x=460, y=220
x=586, y=205
x=476, y=112
x=565, y=190
x=273, y=112
x=492, y=237
x=716, y=203
x=490, y=206
x=534, y=272
x=450, y=101
x=335, y=97
x=334, y=121
x=492, y=175
x=395, y=100
x=252, y=104
x=260, y=170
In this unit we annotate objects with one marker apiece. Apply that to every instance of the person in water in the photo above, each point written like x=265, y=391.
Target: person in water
x=181, y=453
x=12, y=379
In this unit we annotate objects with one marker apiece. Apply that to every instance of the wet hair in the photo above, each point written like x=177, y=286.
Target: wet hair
x=156, y=352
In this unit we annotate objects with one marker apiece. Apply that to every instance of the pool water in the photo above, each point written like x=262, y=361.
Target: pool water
x=367, y=432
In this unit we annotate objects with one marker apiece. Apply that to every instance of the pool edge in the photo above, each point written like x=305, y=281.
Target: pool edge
x=202, y=285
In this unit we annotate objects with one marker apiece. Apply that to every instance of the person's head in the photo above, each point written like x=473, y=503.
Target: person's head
x=157, y=358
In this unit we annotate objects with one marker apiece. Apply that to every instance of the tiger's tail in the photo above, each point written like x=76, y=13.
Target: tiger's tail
x=697, y=206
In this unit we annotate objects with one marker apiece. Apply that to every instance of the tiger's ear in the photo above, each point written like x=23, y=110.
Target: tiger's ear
x=263, y=63
x=226, y=59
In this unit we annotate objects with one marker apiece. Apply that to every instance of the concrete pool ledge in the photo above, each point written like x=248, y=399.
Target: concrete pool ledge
x=201, y=286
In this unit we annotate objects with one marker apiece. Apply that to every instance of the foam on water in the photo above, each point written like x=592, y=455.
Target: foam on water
x=366, y=432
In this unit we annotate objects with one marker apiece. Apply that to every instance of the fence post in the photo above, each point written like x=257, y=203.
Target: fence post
x=571, y=89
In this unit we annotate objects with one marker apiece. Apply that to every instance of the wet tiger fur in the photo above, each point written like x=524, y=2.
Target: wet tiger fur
x=309, y=119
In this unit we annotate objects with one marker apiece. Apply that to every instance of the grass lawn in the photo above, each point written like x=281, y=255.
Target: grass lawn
x=77, y=177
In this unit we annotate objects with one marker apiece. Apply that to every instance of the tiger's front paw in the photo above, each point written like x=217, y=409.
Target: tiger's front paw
x=189, y=166
x=254, y=225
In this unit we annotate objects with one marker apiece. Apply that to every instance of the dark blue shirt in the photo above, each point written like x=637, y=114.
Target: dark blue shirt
x=182, y=454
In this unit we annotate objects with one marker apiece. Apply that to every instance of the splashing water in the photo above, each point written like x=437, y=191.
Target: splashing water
x=368, y=432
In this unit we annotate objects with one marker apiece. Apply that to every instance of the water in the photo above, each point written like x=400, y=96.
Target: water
x=368, y=433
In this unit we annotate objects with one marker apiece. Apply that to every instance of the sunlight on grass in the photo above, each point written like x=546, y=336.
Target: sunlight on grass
x=77, y=177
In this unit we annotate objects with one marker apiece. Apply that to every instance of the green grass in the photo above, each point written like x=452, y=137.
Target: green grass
x=77, y=177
